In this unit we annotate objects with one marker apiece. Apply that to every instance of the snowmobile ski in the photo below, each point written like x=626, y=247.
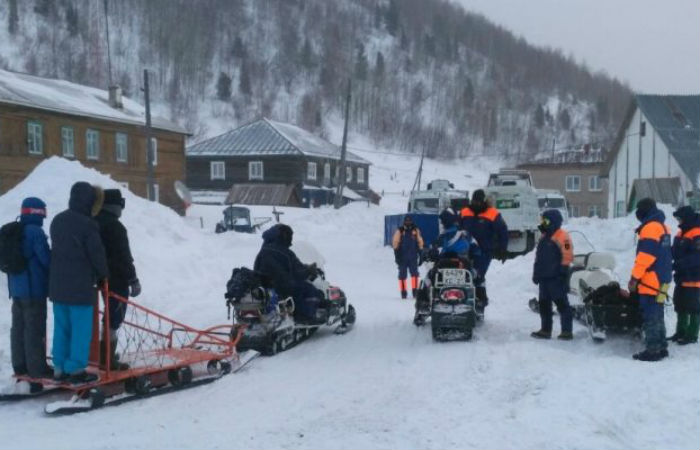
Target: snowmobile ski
x=21, y=391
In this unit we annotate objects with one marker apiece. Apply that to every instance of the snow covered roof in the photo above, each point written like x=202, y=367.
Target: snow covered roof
x=267, y=137
x=75, y=99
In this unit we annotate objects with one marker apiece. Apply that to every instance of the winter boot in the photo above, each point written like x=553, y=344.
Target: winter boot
x=414, y=286
x=565, y=336
x=681, y=327
x=402, y=288
x=650, y=356
x=691, y=332
x=404, y=295
x=114, y=363
x=82, y=377
x=541, y=334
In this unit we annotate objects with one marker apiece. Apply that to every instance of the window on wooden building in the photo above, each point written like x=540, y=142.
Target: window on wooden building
x=121, y=149
x=35, y=138
x=594, y=184
x=67, y=142
x=255, y=170
x=311, y=171
x=594, y=211
x=92, y=149
x=154, y=148
x=327, y=173
x=348, y=174
x=217, y=170
x=360, y=175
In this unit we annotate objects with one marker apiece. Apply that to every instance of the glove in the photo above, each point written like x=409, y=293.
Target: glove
x=633, y=285
x=134, y=288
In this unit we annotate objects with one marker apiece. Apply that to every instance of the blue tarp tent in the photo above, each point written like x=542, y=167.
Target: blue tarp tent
x=428, y=224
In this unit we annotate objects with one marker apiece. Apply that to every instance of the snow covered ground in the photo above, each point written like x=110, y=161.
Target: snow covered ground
x=385, y=384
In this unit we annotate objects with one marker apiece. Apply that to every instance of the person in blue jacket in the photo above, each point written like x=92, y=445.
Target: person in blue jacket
x=28, y=290
x=78, y=268
x=686, y=274
x=453, y=241
x=490, y=231
x=554, y=255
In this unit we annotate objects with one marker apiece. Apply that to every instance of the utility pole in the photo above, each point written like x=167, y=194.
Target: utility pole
x=416, y=183
x=342, y=175
x=150, y=188
x=109, y=53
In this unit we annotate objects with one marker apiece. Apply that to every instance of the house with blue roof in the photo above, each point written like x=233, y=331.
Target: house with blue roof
x=274, y=163
x=656, y=153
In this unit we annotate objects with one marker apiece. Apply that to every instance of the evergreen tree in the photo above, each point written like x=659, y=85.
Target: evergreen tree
x=308, y=59
x=539, y=116
x=391, y=17
x=223, y=87
x=244, y=80
x=564, y=119
x=379, y=68
x=72, y=20
x=238, y=49
x=361, y=63
x=468, y=94
x=13, y=18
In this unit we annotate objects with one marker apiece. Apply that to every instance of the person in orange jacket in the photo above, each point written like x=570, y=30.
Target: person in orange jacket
x=651, y=276
x=407, y=243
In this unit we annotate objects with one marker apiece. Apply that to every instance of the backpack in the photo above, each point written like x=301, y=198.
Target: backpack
x=12, y=260
x=242, y=281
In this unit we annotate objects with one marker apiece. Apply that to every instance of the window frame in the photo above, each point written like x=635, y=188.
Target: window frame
x=327, y=173
x=311, y=171
x=594, y=211
x=117, y=137
x=156, y=193
x=155, y=151
x=572, y=177
x=348, y=174
x=213, y=173
x=255, y=176
x=360, y=174
x=92, y=132
x=574, y=211
x=32, y=125
x=65, y=154
x=598, y=186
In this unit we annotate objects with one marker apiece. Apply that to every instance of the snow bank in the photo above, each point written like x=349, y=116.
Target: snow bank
x=386, y=384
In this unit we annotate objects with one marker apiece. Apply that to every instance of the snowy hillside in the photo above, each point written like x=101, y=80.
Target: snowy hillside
x=385, y=384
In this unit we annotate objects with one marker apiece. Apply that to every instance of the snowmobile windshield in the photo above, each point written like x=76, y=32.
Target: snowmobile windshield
x=307, y=253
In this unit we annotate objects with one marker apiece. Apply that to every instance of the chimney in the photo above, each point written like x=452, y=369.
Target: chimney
x=115, y=97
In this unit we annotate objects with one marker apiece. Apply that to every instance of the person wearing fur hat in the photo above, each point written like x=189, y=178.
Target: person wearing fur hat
x=686, y=274
x=122, y=273
x=78, y=268
x=28, y=290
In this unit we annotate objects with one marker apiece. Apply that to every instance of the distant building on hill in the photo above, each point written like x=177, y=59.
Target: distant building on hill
x=576, y=174
x=275, y=163
x=43, y=117
x=656, y=153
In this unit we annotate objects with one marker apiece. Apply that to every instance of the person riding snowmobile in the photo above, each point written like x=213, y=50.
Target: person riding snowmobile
x=452, y=248
x=289, y=276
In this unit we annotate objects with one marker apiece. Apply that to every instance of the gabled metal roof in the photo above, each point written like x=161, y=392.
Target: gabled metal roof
x=676, y=118
x=75, y=99
x=263, y=194
x=266, y=137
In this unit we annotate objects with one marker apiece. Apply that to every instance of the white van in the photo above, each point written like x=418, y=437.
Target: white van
x=552, y=199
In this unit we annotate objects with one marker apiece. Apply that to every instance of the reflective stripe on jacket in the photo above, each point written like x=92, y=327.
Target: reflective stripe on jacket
x=652, y=265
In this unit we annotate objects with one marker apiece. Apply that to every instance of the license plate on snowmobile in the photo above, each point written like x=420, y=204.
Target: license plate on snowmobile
x=453, y=277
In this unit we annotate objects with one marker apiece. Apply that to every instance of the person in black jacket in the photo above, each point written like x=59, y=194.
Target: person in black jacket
x=287, y=275
x=122, y=273
x=78, y=266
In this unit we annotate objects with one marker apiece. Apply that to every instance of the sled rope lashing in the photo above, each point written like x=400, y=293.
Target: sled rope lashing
x=150, y=342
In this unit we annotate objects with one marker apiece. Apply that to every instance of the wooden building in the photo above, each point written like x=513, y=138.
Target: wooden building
x=43, y=117
x=659, y=139
x=266, y=154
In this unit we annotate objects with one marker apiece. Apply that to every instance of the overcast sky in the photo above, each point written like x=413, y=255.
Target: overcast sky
x=653, y=45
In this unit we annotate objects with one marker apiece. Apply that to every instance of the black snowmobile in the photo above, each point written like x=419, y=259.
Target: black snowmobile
x=271, y=325
x=447, y=296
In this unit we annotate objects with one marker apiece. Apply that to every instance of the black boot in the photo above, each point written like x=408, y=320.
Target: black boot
x=404, y=295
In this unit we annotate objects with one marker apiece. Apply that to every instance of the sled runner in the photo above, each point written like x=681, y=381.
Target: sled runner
x=162, y=356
